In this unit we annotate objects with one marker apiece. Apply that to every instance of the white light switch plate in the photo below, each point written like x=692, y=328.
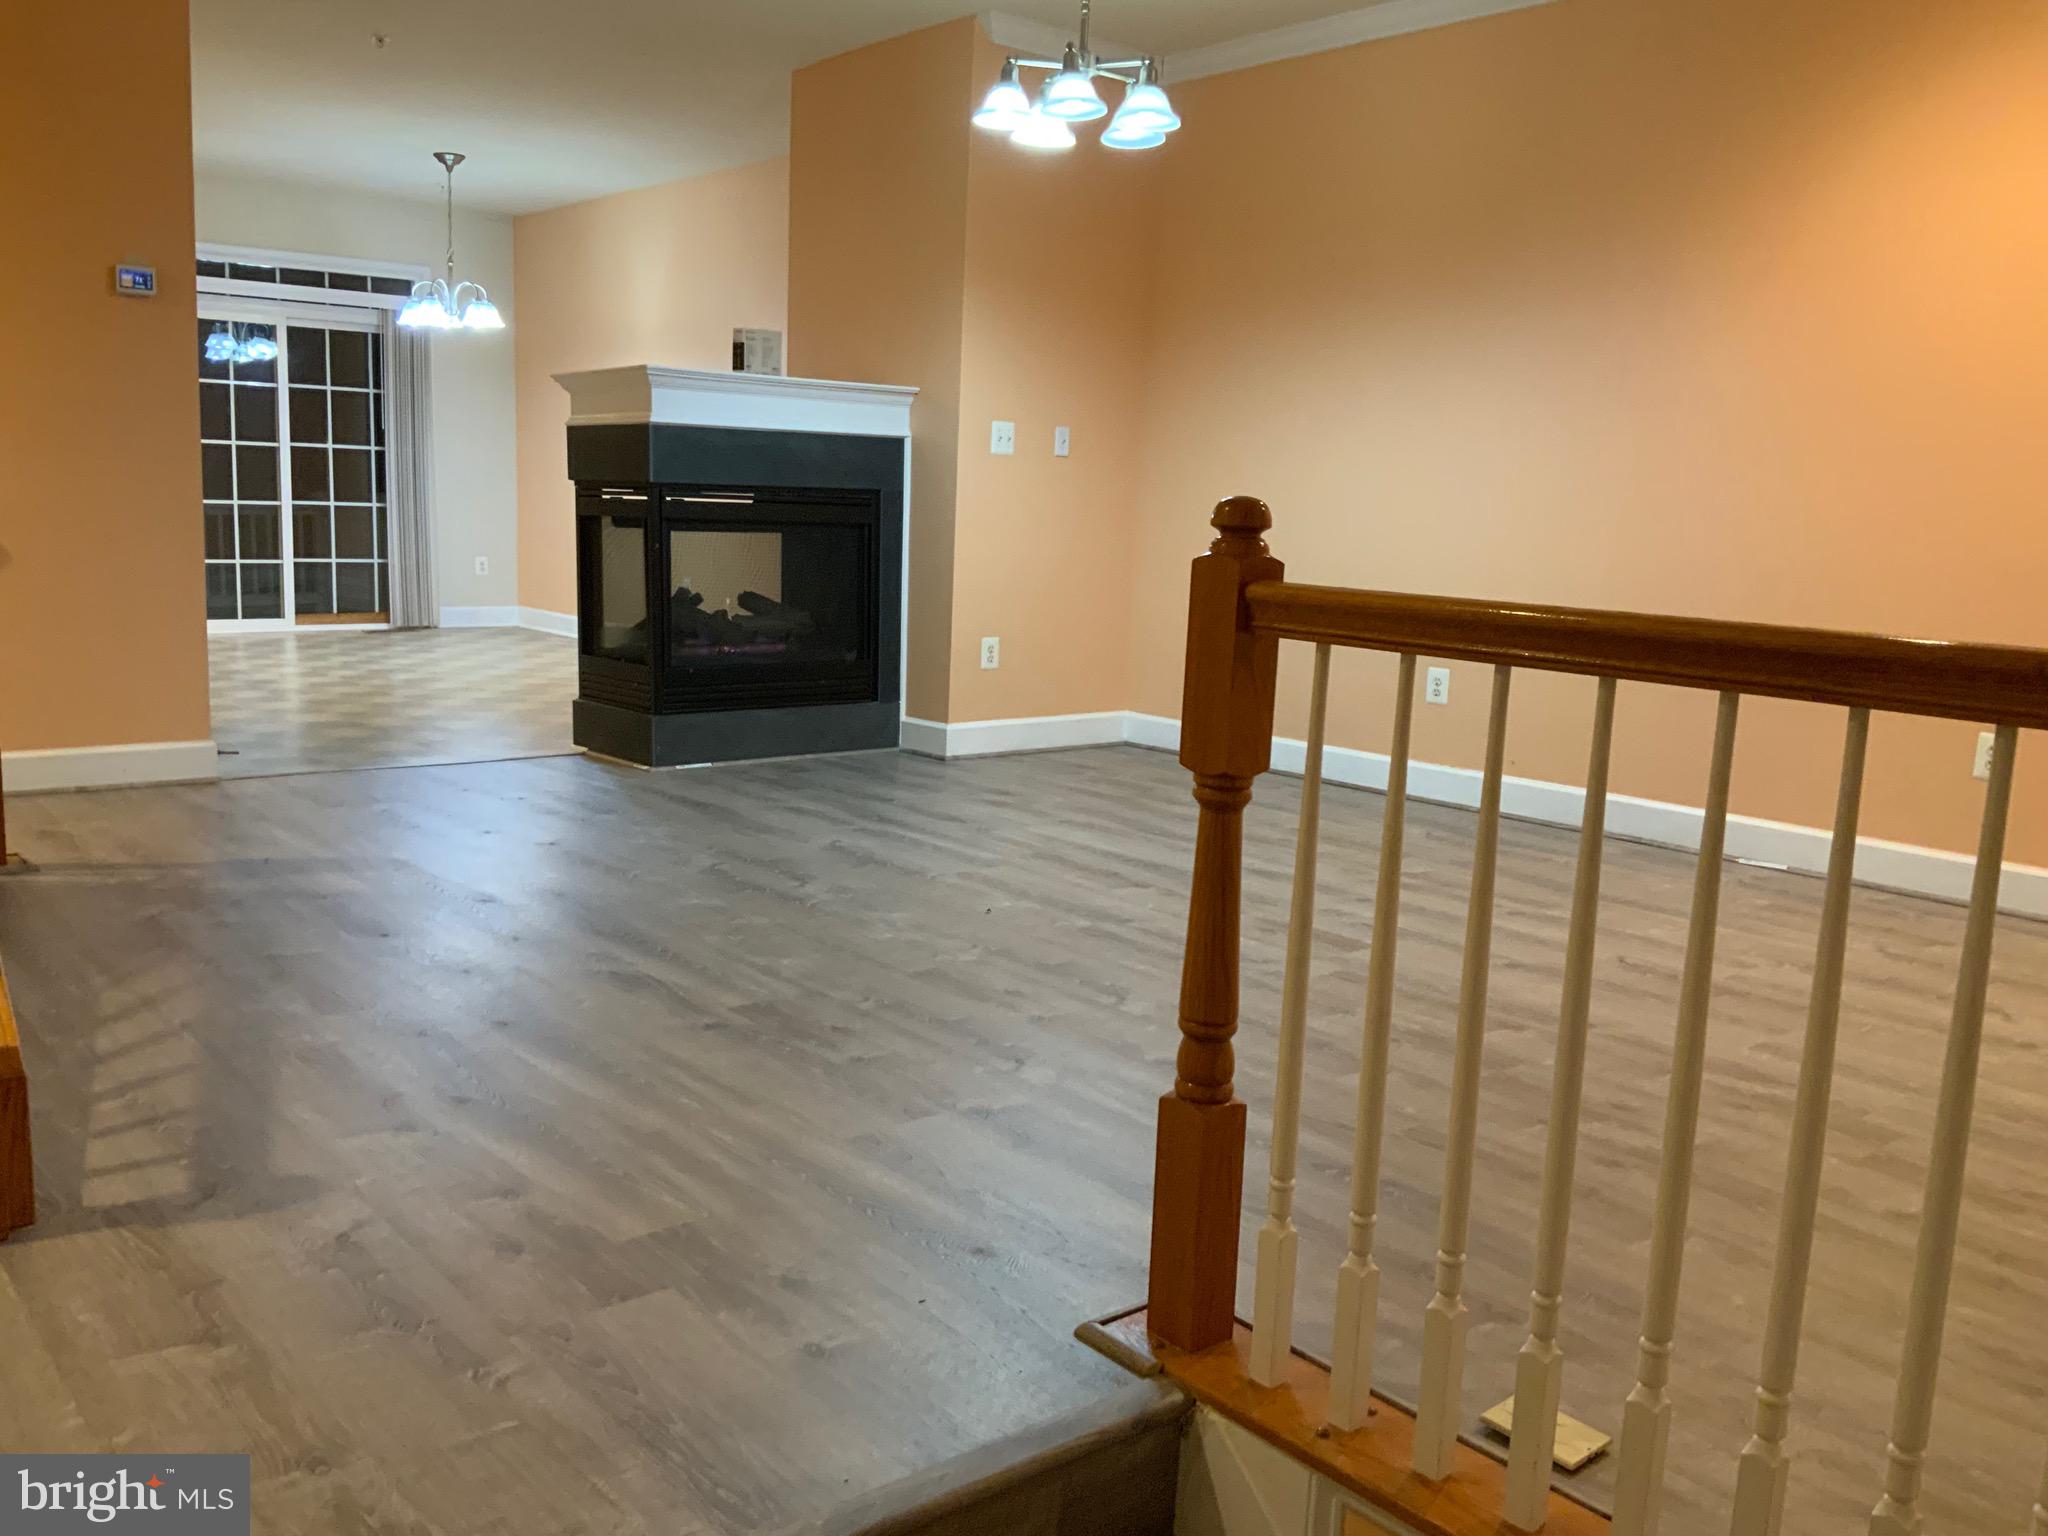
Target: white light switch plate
x=1002, y=437
x=1062, y=442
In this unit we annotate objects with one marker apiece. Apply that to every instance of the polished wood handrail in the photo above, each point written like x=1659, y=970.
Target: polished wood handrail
x=1241, y=607
x=2006, y=684
x=17, y=1170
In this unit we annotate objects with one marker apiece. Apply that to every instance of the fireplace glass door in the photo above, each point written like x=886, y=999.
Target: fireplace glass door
x=621, y=627
x=787, y=609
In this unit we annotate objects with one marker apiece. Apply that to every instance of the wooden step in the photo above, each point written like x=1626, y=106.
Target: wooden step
x=1108, y=1469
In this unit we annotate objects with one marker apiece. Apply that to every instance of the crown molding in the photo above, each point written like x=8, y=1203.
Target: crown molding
x=1021, y=34
x=1389, y=18
x=756, y=401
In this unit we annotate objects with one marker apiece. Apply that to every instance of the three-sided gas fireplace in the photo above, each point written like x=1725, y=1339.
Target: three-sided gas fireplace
x=739, y=591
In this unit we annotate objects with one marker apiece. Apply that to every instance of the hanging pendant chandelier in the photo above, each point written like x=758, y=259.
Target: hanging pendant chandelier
x=1142, y=120
x=228, y=344
x=444, y=304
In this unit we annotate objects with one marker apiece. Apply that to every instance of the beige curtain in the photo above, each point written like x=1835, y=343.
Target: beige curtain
x=409, y=398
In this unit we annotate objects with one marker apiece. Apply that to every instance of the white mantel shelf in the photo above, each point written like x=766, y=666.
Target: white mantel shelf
x=758, y=402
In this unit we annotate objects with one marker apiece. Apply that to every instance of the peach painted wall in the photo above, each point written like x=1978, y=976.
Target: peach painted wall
x=660, y=275
x=877, y=253
x=102, y=611
x=1737, y=310
x=1058, y=279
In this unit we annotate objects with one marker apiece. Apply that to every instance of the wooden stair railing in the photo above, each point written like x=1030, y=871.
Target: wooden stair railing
x=1240, y=608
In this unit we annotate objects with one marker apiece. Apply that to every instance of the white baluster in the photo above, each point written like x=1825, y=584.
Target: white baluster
x=1273, y=1311
x=1761, y=1474
x=1539, y=1369
x=2038, y=1526
x=1898, y=1511
x=1358, y=1278
x=1646, y=1416
x=1441, y=1407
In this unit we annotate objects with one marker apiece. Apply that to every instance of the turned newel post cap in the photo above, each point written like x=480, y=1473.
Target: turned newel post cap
x=1241, y=517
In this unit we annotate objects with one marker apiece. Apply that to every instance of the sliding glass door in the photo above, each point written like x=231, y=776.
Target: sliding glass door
x=296, y=506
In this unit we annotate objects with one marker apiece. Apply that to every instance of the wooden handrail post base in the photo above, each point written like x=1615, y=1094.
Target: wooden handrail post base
x=17, y=1169
x=1226, y=741
x=1197, y=1193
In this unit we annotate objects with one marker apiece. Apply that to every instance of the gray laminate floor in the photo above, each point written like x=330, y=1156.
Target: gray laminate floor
x=320, y=700
x=544, y=1146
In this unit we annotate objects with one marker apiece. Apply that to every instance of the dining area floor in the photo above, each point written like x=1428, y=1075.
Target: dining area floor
x=314, y=702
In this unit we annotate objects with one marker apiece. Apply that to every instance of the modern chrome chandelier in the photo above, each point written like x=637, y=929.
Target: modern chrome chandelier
x=1143, y=118
x=443, y=304
x=228, y=344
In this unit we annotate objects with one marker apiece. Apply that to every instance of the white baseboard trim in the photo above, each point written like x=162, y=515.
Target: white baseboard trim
x=141, y=762
x=548, y=622
x=1034, y=733
x=503, y=617
x=2023, y=888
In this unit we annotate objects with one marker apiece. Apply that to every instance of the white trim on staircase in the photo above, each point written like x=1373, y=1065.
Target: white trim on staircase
x=140, y=762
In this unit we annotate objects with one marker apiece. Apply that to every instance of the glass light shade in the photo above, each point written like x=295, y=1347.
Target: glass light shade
x=427, y=309
x=1145, y=109
x=1123, y=136
x=1071, y=97
x=1006, y=106
x=257, y=349
x=221, y=346
x=1042, y=132
x=482, y=315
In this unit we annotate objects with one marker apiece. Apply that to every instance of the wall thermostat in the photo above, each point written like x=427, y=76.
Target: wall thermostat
x=756, y=351
x=136, y=282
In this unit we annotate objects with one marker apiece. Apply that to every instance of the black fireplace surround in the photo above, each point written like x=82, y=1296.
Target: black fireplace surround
x=739, y=592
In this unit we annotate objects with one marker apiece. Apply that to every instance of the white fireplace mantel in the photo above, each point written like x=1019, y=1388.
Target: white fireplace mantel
x=760, y=402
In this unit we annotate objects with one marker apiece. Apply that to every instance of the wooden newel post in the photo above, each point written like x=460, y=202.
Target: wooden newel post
x=1226, y=741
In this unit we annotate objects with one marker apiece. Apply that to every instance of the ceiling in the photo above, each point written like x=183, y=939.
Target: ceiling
x=558, y=100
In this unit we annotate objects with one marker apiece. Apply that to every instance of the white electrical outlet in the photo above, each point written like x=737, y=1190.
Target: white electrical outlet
x=991, y=653
x=1436, y=687
x=1002, y=437
x=1982, y=767
x=1062, y=442
x=483, y=565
